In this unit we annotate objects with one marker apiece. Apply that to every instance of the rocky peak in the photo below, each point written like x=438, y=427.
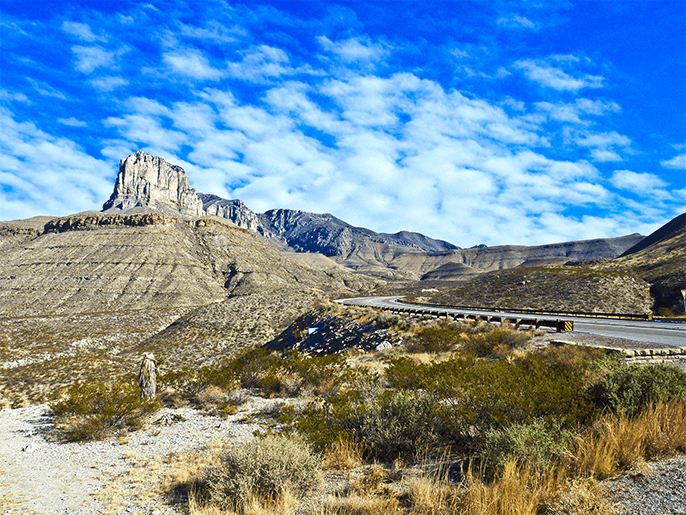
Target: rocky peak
x=148, y=181
x=234, y=210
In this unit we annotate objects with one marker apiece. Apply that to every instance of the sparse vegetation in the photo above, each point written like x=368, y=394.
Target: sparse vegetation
x=262, y=472
x=459, y=418
x=93, y=411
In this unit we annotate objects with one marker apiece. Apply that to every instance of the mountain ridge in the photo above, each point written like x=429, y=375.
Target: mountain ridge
x=404, y=252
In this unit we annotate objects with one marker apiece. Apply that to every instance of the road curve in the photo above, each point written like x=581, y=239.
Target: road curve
x=665, y=333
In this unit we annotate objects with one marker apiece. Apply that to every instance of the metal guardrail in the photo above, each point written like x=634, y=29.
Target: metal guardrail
x=618, y=316
x=556, y=325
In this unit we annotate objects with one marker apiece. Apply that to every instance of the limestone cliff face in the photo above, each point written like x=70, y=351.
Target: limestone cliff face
x=147, y=181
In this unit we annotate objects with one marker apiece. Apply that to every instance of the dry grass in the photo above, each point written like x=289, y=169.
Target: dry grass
x=618, y=442
x=357, y=504
x=344, y=455
x=431, y=496
x=286, y=504
x=521, y=491
x=581, y=496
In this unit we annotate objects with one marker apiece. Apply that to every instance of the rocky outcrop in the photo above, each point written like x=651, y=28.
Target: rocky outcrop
x=234, y=210
x=147, y=181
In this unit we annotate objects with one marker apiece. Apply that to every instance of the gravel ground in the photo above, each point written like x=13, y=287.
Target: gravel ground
x=658, y=489
x=42, y=477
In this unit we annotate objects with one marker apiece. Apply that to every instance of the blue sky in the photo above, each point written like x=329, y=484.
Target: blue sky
x=500, y=122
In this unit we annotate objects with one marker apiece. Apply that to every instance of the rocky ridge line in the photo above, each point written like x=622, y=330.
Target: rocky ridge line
x=147, y=182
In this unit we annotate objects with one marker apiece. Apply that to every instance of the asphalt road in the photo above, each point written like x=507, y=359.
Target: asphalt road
x=665, y=333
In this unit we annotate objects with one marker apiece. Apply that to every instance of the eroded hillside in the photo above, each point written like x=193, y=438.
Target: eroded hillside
x=86, y=294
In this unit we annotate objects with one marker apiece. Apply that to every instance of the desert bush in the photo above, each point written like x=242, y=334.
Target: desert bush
x=478, y=396
x=539, y=445
x=399, y=424
x=589, y=363
x=264, y=469
x=384, y=319
x=435, y=340
x=93, y=411
x=496, y=341
x=273, y=373
x=631, y=388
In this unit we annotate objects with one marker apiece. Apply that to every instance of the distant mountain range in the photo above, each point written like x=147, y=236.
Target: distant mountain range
x=150, y=183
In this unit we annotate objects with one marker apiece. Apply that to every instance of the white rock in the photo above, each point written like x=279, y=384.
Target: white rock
x=30, y=447
x=149, y=181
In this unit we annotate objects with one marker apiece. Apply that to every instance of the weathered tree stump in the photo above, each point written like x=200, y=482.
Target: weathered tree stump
x=147, y=377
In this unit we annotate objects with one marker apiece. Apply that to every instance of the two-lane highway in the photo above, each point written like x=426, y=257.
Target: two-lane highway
x=665, y=333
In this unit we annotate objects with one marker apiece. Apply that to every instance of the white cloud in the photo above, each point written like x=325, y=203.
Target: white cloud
x=605, y=156
x=516, y=22
x=191, y=63
x=549, y=76
x=72, y=122
x=677, y=162
x=107, y=84
x=81, y=31
x=641, y=183
x=576, y=111
x=264, y=62
x=88, y=58
x=213, y=31
x=354, y=49
x=46, y=90
x=46, y=175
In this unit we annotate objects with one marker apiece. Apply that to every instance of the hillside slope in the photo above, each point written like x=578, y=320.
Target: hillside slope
x=645, y=280
x=661, y=262
x=89, y=291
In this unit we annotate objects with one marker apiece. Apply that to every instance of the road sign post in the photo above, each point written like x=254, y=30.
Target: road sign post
x=683, y=294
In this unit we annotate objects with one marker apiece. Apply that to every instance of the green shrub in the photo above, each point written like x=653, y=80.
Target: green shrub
x=262, y=469
x=93, y=411
x=330, y=421
x=400, y=424
x=537, y=445
x=478, y=396
x=435, y=340
x=629, y=389
x=496, y=340
x=394, y=424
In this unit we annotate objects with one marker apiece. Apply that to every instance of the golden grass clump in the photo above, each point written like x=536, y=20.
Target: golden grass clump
x=521, y=490
x=616, y=442
x=343, y=455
